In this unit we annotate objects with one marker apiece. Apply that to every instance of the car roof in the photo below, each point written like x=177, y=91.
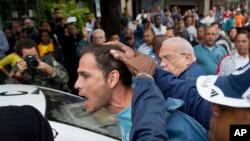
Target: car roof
x=20, y=94
x=11, y=94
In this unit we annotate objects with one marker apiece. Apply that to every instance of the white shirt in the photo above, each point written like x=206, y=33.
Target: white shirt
x=191, y=32
x=139, y=17
x=160, y=31
x=144, y=48
x=240, y=60
x=232, y=62
x=208, y=20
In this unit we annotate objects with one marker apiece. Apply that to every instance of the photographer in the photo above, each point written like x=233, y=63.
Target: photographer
x=31, y=69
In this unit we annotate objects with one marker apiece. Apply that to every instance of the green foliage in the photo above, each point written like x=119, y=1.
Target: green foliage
x=68, y=8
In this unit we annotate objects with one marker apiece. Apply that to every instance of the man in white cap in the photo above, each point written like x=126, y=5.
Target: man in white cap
x=229, y=97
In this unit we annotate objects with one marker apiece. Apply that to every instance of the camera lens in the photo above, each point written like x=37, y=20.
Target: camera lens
x=31, y=61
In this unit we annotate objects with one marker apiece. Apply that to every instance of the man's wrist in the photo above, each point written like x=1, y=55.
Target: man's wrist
x=18, y=73
x=51, y=72
x=17, y=77
x=144, y=75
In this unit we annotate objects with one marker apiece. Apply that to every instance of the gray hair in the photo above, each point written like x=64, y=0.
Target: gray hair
x=181, y=45
x=98, y=30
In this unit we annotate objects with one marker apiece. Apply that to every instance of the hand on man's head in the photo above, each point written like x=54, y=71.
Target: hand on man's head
x=129, y=53
x=135, y=62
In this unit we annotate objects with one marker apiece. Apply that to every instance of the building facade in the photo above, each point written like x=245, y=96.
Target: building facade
x=17, y=10
x=201, y=5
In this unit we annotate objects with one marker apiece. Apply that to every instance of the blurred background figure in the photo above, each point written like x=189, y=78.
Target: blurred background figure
x=141, y=16
x=98, y=36
x=231, y=34
x=239, y=57
x=33, y=32
x=4, y=45
x=130, y=40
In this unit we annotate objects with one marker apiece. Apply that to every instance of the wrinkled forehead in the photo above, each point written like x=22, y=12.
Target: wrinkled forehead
x=98, y=34
x=169, y=45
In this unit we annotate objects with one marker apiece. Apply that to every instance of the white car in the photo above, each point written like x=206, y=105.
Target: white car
x=65, y=113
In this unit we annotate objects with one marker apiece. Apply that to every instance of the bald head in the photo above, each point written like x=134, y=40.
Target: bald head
x=180, y=44
x=176, y=55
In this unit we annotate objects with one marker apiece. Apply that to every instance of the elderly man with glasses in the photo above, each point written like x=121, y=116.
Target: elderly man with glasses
x=176, y=55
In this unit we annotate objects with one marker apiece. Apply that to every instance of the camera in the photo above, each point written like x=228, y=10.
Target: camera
x=31, y=61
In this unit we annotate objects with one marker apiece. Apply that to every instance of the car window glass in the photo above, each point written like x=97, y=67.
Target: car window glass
x=67, y=108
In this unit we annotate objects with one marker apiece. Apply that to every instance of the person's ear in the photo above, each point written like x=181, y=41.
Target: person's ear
x=105, y=39
x=216, y=110
x=113, y=78
x=189, y=58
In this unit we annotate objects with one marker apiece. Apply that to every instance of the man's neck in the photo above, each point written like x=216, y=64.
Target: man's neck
x=243, y=55
x=209, y=46
x=158, y=26
x=121, y=99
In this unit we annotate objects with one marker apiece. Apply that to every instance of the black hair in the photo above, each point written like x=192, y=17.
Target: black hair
x=157, y=15
x=243, y=31
x=56, y=9
x=107, y=63
x=175, y=31
x=24, y=44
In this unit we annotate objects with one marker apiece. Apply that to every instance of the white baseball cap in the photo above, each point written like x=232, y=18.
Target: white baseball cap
x=232, y=90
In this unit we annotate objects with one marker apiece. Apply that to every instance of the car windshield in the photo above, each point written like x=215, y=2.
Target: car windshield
x=67, y=108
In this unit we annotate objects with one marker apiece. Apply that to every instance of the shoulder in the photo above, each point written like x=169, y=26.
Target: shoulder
x=198, y=47
x=196, y=66
x=220, y=48
x=197, y=70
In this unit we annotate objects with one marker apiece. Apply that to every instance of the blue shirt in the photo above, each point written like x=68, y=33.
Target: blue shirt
x=155, y=118
x=195, y=106
x=209, y=60
x=4, y=45
x=229, y=24
x=192, y=73
x=124, y=118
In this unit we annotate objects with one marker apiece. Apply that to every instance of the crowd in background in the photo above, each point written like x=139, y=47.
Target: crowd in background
x=212, y=36
x=184, y=44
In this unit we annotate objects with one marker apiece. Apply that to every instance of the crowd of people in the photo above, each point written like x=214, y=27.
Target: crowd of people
x=154, y=78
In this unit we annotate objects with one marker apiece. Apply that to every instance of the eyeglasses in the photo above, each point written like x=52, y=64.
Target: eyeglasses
x=169, y=57
x=55, y=133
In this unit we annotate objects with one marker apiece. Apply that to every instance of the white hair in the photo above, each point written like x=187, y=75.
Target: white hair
x=181, y=45
x=98, y=30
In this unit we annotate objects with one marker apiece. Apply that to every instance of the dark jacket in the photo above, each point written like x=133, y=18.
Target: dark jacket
x=195, y=106
x=146, y=92
x=154, y=118
x=192, y=73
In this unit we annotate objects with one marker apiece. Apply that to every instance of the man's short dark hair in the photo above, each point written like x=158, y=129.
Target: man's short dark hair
x=216, y=23
x=107, y=63
x=157, y=15
x=186, y=17
x=24, y=44
x=243, y=31
x=174, y=31
x=157, y=42
x=56, y=9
